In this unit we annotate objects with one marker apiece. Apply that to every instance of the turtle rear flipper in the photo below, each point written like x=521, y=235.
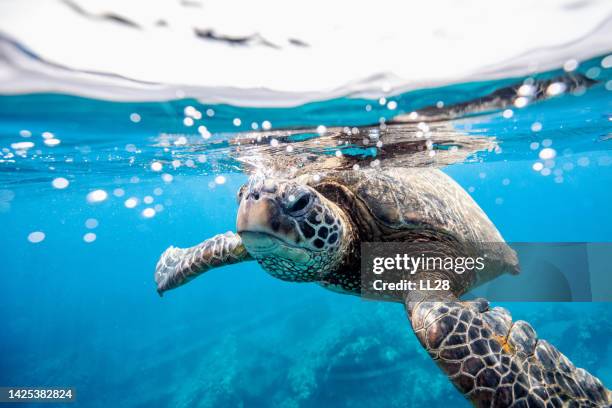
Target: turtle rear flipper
x=496, y=362
x=177, y=266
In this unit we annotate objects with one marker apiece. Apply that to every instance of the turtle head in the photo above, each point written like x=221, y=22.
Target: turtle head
x=294, y=232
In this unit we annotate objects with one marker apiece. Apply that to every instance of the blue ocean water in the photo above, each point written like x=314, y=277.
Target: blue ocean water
x=86, y=314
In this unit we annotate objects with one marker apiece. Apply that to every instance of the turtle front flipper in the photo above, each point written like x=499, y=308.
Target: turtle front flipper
x=496, y=362
x=177, y=266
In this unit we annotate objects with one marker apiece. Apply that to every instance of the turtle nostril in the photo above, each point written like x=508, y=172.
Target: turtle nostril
x=255, y=196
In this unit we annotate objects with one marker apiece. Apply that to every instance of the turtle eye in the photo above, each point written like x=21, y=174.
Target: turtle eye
x=241, y=193
x=299, y=204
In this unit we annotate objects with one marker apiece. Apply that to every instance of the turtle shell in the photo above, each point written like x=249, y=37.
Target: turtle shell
x=418, y=205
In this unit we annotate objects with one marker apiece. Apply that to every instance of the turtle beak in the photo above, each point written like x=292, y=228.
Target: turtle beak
x=261, y=211
x=256, y=214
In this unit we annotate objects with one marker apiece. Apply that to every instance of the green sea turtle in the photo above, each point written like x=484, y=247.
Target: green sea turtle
x=307, y=225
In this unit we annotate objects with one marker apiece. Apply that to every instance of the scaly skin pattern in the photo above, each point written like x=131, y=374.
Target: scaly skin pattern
x=177, y=266
x=495, y=362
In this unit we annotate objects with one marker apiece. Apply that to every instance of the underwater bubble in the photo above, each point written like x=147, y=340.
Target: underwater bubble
x=593, y=73
x=534, y=145
x=382, y=101
x=60, y=183
x=188, y=122
x=526, y=90
x=547, y=142
x=375, y=163
x=181, y=141
x=289, y=149
x=130, y=148
x=413, y=115
x=202, y=158
x=220, y=180
x=148, y=212
x=583, y=161
x=148, y=200
x=559, y=179
x=156, y=166
x=47, y=135
x=158, y=191
x=52, y=142
x=266, y=125
x=556, y=88
x=508, y=113
x=471, y=189
x=579, y=90
x=118, y=192
x=439, y=104
x=131, y=202
x=316, y=178
x=189, y=111
x=134, y=117
x=368, y=108
x=568, y=166
x=536, y=126
x=89, y=237
x=609, y=85
x=547, y=153
x=338, y=153
x=607, y=62
x=167, y=177
x=521, y=102
x=482, y=175
x=254, y=126
x=506, y=181
x=321, y=129
x=274, y=143
x=499, y=201
x=356, y=167
x=237, y=122
x=537, y=166
x=134, y=179
x=189, y=163
x=36, y=237
x=176, y=163
x=570, y=65
x=158, y=208
x=210, y=113
x=291, y=197
x=392, y=105
x=423, y=126
x=91, y=223
x=25, y=133
x=545, y=172
x=22, y=145
x=97, y=196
